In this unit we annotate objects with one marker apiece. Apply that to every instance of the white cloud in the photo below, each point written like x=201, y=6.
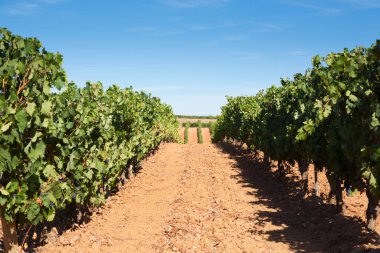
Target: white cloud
x=235, y=37
x=193, y=3
x=53, y=1
x=27, y=8
x=314, y=6
x=23, y=9
x=199, y=28
x=361, y=4
x=339, y=5
x=335, y=7
x=155, y=32
x=143, y=29
x=212, y=43
x=261, y=27
x=247, y=56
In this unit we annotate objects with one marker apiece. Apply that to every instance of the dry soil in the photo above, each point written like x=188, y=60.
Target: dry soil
x=212, y=198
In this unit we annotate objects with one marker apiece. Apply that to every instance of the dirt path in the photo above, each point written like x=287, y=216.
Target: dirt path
x=207, y=198
x=193, y=137
x=184, y=120
x=206, y=135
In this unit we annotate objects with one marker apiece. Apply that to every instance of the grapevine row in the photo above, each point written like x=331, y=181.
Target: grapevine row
x=186, y=134
x=61, y=145
x=199, y=134
x=328, y=116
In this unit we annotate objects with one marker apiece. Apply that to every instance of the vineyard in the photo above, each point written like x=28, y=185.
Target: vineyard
x=193, y=132
x=122, y=173
x=70, y=148
x=328, y=117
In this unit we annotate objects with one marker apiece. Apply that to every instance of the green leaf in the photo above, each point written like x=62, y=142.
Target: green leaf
x=37, y=152
x=330, y=60
x=4, y=192
x=342, y=85
x=59, y=84
x=3, y=201
x=89, y=174
x=11, y=110
x=20, y=44
x=45, y=123
x=352, y=98
x=316, y=60
x=352, y=74
x=30, y=108
x=327, y=111
x=33, y=211
x=4, y=154
x=51, y=214
x=21, y=67
x=52, y=198
x=69, y=125
x=375, y=121
x=50, y=172
x=46, y=88
x=46, y=107
x=22, y=119
x=12, y=186
x=36, y=136
x=6, y=127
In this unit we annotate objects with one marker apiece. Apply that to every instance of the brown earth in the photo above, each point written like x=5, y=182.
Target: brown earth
x=206, y=135
x=210, y=198
x=354, y=206
x=191, y=120
x=193, y=136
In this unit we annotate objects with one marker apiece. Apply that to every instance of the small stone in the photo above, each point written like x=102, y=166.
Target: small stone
x=105, y=242
x=74, y=239
x=63, y=241
x=168, y=229
x=93, y=239
x=54, y=232
x=52, y=236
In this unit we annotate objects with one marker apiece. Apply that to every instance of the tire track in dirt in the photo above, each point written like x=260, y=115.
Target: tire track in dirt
x=205, y=198
x=193, y=136
x=206, y=135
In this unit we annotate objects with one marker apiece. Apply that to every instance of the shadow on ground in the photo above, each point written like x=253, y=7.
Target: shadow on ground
x=309, y=225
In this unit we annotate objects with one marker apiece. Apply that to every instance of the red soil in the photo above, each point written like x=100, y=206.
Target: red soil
x=209, y=198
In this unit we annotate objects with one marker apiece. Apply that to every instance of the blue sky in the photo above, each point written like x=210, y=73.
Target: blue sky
x=192, y=53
